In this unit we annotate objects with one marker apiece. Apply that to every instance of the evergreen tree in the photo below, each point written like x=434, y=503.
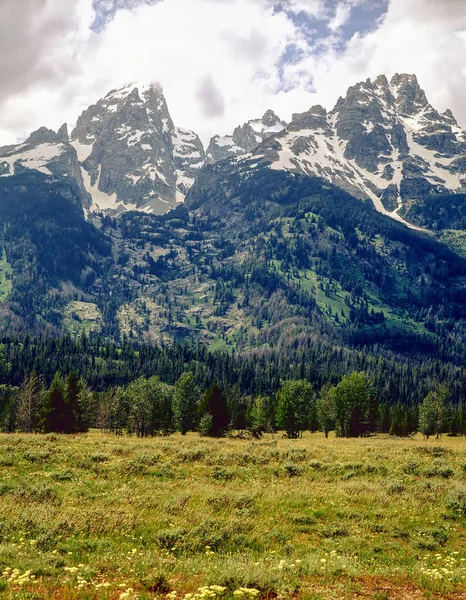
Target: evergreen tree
x=213, y=403
x=8, y=408
x=185, y=403
x=54, y=412
x=74, y=408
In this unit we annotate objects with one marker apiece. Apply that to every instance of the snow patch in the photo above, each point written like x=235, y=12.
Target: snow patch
x=82, y=150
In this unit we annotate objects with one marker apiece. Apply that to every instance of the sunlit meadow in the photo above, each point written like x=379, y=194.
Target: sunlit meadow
x=97, y=516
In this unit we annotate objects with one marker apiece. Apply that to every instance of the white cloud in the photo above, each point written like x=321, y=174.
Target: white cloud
x=219, y=61
x=341, y=17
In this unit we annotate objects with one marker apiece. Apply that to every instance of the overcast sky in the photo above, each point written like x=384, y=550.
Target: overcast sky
x=221, y=62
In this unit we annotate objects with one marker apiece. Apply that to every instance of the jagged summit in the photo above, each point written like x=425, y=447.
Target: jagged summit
x=382, y=141
x=244, y=138
x=132, y=155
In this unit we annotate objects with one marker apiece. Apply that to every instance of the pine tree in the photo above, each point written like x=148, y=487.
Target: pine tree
x=54, y=411
x=214, y=404
x=74, y=411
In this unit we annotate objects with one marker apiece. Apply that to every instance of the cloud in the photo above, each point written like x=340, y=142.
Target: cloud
x=221, y=62
x=341, y=17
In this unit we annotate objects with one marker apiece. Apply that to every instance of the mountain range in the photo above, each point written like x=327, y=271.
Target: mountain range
x=382, y=142
x=346, y=226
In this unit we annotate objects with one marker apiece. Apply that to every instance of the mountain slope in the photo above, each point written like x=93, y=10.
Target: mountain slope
x=383, y=141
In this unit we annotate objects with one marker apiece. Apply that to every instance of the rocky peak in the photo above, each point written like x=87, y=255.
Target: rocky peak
x=245, y=138
x=314, y=118
x=48, y=153
x=63, y=134
x=382, y=141
x=409, y=97
x=132, y=155
x=43, y=135
x=450, y=117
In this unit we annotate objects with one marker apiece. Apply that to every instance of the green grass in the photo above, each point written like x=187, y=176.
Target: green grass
x=455, y=239
x=92, y=516
x=82, y=317
x=5, y=278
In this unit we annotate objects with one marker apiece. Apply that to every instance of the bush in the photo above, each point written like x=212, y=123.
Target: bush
x=395, y=487
x=99, y=457
x=410, y=468
x=170, y=538
x=317, y=465
x=206, y=425
x=220, y=473
x=456, y=500
x=293, y=470
x=297, y=455
x=439, y=469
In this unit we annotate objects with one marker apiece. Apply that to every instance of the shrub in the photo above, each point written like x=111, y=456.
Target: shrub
x=8, y=460
x=297, y=455
x=293, y=470
x=170, y=538
x=62, y=476
x=36, y=456
x=317, y=465
x=149, y=458
x=395, y=487
x=99, y=457
x=191, y=455
x=410, y=468
x=456, y=499
x=220, y=473
x=439, y=469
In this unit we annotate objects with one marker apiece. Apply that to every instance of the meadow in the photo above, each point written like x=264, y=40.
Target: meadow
x=107, y=517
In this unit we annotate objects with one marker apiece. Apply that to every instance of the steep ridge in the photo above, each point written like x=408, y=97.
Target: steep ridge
x=49, y=153
x=383, y=141
x=132, y=155
x=244, y=138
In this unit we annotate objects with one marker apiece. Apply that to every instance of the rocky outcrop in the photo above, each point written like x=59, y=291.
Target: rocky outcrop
x=245, y=138
x=49, y=153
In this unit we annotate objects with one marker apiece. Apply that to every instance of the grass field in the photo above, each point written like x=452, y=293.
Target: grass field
x=96, y=516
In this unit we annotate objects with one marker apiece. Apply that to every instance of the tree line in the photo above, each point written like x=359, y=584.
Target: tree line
x=150, y=407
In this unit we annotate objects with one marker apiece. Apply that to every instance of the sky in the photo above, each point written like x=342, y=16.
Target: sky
x=220, y=62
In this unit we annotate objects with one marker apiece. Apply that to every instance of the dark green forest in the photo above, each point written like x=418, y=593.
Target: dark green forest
x=258, y=281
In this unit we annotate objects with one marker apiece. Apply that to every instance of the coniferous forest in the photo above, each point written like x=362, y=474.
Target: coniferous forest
x=65, y=385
